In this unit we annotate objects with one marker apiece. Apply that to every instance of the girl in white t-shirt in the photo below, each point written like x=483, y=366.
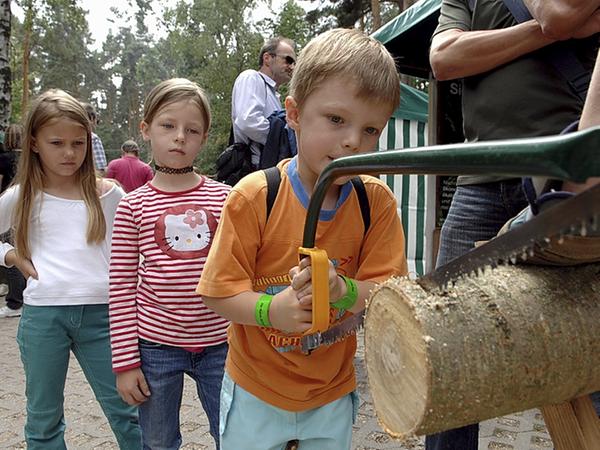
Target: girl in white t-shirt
x=61, y=216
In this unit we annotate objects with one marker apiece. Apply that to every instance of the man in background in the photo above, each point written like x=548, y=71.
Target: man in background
x=129, y=170
x=97, y=147
x=255, y=97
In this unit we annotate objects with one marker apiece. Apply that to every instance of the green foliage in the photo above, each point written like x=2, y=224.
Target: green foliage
x=207, y=41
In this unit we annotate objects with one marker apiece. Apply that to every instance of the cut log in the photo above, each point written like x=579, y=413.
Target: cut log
x=511, y=339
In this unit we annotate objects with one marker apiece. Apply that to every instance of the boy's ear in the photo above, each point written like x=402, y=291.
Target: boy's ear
x=292, y=113
x=144, y=130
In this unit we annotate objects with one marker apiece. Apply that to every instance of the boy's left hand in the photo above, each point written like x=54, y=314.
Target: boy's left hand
x=301, y=276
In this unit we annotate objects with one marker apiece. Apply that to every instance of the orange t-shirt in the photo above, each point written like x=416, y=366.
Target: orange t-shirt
x=248, y=254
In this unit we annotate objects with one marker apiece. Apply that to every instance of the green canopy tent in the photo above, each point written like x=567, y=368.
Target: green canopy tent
x=407, y=37
x=423, y=201
x=415, y=194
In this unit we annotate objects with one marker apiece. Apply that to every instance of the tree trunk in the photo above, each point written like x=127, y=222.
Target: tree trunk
x=27, y=26
x=508, y=340
x=5, y=74
x=376, y=12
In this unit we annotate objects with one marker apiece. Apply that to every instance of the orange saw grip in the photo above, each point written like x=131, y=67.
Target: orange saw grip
x=320, y=288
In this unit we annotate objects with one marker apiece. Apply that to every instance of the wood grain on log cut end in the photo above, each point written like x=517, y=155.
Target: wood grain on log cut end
x=401, y=349
x=511, y=339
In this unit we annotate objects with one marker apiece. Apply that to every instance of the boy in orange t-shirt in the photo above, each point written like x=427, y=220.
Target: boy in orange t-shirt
x=343, y=91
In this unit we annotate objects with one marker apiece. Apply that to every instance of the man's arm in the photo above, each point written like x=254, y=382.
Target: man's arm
x=590, y=117
x=456, y=54
x=563, y=19
x=249, y=98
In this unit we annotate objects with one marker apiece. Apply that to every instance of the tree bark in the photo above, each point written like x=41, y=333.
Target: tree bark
x=27, y=27
x=5, y=73
x=508, y=340
x=376, y=13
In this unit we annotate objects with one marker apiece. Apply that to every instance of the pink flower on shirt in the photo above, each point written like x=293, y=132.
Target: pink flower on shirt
x=193, y=218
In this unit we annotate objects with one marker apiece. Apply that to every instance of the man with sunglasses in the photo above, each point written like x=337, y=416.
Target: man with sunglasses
x=255, y=95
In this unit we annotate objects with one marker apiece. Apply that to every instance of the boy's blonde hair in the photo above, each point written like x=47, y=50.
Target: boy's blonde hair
x=175, y=90
x=52, y=105
x=352, y=55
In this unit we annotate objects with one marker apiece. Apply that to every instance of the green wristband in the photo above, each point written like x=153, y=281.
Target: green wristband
x=261, y=310
x=347, y=301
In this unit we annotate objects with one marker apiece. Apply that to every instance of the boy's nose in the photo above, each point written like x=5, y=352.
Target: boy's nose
x=352, y=141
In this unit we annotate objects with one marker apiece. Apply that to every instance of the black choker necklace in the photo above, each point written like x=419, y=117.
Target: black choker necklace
x=172, y=171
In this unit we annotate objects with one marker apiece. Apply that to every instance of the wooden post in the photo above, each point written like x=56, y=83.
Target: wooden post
x=508, y=340
x=573, y=425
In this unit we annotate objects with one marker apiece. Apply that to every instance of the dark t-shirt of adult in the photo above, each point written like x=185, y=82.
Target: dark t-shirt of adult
x=527, y=97
x=8, y=167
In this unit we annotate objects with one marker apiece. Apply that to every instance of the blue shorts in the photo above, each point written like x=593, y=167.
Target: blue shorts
x=252, y=424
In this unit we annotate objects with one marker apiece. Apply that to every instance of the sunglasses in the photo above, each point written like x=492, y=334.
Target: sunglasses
x=288, y=59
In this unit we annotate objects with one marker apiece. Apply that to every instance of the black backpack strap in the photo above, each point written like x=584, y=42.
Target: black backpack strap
x=560, y=55
x=273, y=180
x=363, y=201
x=518, y=9
x=273, y=177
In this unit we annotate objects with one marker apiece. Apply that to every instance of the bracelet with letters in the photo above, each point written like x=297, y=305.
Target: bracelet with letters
x=347, y=301
x=261, y=310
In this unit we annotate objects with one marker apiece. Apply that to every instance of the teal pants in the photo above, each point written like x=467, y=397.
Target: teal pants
x=46, y=336
x=248, y=423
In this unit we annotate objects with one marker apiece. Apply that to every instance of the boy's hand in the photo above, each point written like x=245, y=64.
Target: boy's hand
x=288, y=314
x=301, y=276
x=24, y=265
x=132, y=386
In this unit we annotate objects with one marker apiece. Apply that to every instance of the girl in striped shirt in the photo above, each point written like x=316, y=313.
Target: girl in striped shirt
x=159, y=327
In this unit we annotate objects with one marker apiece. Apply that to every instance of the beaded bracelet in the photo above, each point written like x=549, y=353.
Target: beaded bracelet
x=347, y=301
x=261, y=310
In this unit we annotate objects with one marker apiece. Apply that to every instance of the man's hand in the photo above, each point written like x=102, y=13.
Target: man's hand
x=132, y=386
x=565, y=19
x=24, y=265
x=590, y=26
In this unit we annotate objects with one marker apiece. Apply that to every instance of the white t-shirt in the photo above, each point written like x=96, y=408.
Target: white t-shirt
x=70, y=271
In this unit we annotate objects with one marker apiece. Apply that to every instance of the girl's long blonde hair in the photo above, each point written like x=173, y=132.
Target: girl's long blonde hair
x=54, y=104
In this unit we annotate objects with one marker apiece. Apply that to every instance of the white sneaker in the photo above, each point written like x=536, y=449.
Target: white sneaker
x=5, y=311
x=3, y=290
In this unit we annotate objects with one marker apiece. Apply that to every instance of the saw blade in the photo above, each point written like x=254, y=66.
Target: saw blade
x=337, y=332
x=576, y=215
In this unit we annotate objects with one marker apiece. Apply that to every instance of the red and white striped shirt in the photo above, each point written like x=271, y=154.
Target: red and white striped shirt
x=159, y=246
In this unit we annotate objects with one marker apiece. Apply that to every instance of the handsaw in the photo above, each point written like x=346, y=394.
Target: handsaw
x=570, y=157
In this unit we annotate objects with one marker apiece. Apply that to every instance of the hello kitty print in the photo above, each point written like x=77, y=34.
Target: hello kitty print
x=185, y=231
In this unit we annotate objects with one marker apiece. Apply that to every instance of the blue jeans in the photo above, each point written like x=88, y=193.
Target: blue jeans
x=16, y=286
x=164, y=367
x=14, y=279
x=477, y=213
x=46, y=337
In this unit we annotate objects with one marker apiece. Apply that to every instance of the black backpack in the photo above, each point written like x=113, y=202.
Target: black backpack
x=234, y=163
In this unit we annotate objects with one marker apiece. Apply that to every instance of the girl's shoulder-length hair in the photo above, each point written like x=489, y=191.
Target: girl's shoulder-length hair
x=50, y=107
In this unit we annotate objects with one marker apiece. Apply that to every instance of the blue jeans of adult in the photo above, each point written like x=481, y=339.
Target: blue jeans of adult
x=477, y=213
x=15, y=281
x=164, y=368
x=16, y=285
x=46, y=337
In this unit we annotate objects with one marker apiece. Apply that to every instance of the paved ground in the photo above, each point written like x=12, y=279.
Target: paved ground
x=88, y=429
